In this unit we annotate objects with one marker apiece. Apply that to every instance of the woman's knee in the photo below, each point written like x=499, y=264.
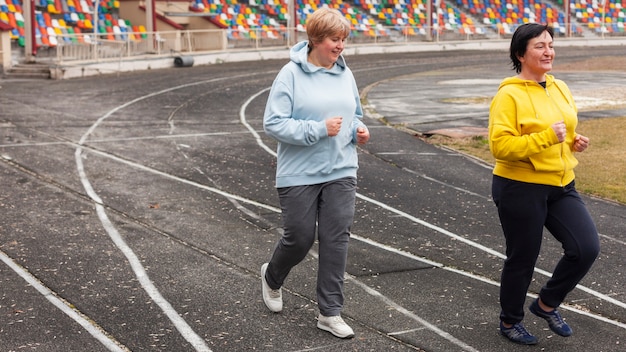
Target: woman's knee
x=591, y=251
x=298, y=240
x=585, y=253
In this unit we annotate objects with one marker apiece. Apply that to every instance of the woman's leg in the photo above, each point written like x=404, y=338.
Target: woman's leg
x=299, y=206
x=522, y=209
x=336, y=213
x=571, y=224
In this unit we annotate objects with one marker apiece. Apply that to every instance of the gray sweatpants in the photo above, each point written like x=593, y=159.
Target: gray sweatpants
x=329, y=207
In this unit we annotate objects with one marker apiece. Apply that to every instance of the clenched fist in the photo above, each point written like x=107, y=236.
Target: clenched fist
x=560, y=130
x=580, y=143
x=333, y=125
x=362, y=135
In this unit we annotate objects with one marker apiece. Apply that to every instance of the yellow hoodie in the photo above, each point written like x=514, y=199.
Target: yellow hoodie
x=521, y=138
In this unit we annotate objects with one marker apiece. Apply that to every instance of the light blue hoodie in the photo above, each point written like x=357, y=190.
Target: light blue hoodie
x=302, y=97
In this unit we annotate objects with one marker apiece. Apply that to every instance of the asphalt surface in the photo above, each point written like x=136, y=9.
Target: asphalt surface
x=137, y=209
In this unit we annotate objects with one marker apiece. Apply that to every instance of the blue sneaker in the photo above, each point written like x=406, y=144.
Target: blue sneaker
x=518, y=334
x=555, y=322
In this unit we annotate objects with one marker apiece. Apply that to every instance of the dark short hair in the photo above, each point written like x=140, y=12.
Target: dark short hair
x=519, y=42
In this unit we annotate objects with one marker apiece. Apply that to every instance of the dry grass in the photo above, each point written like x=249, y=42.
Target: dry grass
x=602, y=168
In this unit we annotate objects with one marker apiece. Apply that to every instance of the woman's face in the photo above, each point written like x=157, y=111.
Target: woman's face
x=539, y=55
x=327, y=52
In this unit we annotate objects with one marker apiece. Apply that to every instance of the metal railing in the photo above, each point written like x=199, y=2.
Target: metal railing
x=109, y=47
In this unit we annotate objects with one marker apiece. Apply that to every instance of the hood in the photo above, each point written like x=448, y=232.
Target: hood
x=525, y=82
x=299, y=55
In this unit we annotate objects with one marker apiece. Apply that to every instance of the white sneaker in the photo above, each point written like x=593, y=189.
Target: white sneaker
x=273, y=298
x=335, y=325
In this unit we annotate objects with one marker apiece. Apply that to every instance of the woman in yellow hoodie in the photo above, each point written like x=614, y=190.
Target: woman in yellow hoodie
x=532, y=135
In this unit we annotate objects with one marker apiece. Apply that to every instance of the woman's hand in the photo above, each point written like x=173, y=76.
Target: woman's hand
x=362, y=135
x=580, y=143
x=333, y=125
x=559, y=130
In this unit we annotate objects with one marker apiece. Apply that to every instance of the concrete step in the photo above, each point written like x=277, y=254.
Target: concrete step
x=28, y=71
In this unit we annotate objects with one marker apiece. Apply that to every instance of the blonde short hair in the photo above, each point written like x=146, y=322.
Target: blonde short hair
x=326, y=22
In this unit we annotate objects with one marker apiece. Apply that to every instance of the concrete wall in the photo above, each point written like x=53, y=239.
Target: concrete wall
x=5, y=50
x=134, y=11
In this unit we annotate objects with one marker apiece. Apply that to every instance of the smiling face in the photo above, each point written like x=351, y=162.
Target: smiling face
x=327, y=30
x=537, y=60
x=326, y=52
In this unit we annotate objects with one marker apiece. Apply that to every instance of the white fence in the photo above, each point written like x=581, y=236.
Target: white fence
x=87, y=48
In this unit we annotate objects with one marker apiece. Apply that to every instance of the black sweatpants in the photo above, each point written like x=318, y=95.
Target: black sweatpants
x=524, y=210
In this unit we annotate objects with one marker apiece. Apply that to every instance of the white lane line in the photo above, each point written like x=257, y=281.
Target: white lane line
x=242, y=118
x=411, y=153
x=483, y=248
x=612, y=239
x=459, y=189
x=429, y=225
x=181, y=325
x=476, y=277
x=63, y=306
x=390, y=303
x=38, y=144
x=182, y=180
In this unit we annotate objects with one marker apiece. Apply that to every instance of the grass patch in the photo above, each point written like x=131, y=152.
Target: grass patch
x=601, y=171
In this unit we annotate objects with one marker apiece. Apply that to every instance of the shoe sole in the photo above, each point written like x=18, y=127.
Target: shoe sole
x=524, y=343
x=326, y=328
x=538, y=314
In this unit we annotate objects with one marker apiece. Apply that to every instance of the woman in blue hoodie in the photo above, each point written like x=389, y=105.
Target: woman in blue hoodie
x=314, y=112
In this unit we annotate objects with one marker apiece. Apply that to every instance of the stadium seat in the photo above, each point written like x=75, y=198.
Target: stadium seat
x=368, y=17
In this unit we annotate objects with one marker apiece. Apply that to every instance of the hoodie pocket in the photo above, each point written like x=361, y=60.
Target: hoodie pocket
x=550, y=160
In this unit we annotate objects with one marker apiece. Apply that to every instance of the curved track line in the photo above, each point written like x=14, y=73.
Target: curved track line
x=390, y=303
x=181, y=325
x=414, y=316
x=88, y=325
x=483, y=248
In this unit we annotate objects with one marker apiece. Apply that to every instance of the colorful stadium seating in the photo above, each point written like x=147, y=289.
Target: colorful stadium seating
x=602, y=19
x=71, y=20
x=67, y=20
